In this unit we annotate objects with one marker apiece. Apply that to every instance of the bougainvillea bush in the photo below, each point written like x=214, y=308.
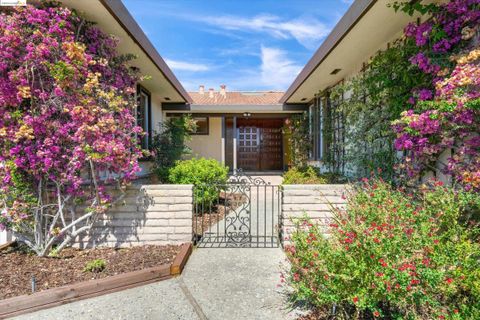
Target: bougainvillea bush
x=392, y=255
x=446, y=118
x=67, y=125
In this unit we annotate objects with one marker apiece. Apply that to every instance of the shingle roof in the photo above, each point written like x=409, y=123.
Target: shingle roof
x=237, y=98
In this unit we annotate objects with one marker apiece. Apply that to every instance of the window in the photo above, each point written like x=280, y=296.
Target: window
x=316, y=119
x=334, y=134
x=202, y=125
x=144, y=116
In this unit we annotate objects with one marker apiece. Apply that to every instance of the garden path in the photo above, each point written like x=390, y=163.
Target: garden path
x=217, y=284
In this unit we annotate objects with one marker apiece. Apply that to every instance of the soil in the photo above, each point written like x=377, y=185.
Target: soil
x=325, y=314
x=316, y=315
x=17, y=266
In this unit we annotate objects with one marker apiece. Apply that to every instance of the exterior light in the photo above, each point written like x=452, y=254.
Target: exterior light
x=247, y=114
x=335, y=71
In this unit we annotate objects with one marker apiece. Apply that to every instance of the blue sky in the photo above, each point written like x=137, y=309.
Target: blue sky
x=245, y=44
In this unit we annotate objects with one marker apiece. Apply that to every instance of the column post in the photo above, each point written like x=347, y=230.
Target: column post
x=234, y=144
x=223, y=139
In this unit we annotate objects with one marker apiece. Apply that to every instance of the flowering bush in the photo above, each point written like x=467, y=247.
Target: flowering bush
x=447, y=119
x=66, y=124
x=452, y=121
x=392, y=254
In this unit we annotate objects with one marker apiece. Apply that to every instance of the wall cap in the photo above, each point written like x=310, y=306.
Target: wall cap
x=315, y=186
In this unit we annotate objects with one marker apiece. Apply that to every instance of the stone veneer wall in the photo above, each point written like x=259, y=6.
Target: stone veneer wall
x=314, y=201
x=149, y=214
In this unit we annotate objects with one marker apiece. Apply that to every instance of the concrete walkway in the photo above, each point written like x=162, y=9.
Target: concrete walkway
x=217, y=284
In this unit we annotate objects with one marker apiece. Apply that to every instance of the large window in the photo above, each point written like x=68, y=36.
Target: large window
x=334, y=135
x=327, y=129
x=144, y=116
x=317, y=128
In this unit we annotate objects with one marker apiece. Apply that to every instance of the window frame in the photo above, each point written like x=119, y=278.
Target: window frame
x=195, y=133
x=146, y=142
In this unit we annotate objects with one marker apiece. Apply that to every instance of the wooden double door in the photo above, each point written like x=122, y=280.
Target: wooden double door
x=260, y=144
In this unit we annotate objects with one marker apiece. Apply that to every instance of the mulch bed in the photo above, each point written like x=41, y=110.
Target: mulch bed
x=325, y=314
x=17, y=266
x=316, y=315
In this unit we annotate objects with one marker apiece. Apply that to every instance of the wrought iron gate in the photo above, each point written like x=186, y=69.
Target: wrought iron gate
x=244, y=212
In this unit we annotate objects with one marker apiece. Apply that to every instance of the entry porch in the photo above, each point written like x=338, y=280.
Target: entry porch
x=254, y=143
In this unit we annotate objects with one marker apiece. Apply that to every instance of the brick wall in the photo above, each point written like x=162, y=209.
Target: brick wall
x=314, y=201
x=149, y=214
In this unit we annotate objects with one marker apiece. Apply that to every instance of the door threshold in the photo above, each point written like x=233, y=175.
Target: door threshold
x=263, y=173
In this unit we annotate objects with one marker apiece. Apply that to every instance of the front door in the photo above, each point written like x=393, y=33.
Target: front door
x=249, y=148
x=260, y=144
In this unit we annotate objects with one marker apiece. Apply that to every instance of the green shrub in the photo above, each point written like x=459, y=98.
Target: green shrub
x=208, y=175
x=392, y=255
x=95, y=266
x=309, y=175
x=296, y=131
x=170, y=146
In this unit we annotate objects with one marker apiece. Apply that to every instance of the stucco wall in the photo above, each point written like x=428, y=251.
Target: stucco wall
x=149, y=214
x=209, y=146
x=313, y=201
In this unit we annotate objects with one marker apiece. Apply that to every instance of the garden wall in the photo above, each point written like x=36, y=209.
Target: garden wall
x=149, y=214
x=314, y=201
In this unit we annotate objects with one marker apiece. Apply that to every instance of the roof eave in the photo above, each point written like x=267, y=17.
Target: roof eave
x=128, y=23
x=356, y=11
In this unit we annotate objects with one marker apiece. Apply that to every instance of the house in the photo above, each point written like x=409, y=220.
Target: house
x=369, y=26
x=241, y=129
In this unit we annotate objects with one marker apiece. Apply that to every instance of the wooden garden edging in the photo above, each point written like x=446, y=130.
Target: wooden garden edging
x=93, y=288
x=6, y=245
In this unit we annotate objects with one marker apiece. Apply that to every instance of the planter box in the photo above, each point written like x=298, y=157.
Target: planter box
x=93, y=288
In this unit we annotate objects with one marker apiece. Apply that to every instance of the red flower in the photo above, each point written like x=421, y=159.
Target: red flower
x=355, y=300
x=376, y=314
x=449, y=280
x=296, y=277
x=455, y=311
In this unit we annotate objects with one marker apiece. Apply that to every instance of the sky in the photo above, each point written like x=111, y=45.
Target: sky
x=247, y=45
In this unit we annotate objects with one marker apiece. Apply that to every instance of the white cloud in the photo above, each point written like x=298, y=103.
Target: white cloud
x=186, y=66
x=276, y=70
x=308, y=32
